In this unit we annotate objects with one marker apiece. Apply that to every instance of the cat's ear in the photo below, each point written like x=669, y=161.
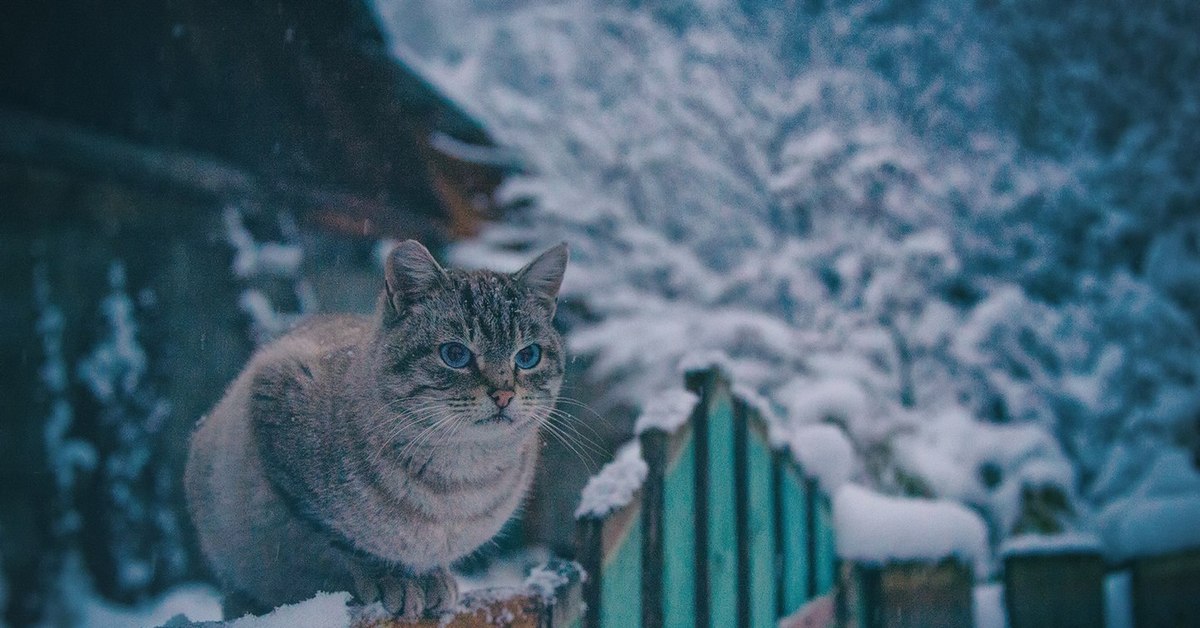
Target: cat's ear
x=410, y=274
x=544, y=274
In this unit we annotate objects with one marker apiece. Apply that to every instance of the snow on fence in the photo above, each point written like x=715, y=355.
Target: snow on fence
x=906, y=563
x=703, y=520
x=548, y=598
x=914, y=562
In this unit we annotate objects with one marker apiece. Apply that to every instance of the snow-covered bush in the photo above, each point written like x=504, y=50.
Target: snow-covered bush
x=925, y=223
x=127, y=507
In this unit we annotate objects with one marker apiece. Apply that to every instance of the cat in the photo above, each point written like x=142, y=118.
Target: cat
x=367, y=454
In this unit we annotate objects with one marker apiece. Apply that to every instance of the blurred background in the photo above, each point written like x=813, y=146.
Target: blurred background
x=966, y=233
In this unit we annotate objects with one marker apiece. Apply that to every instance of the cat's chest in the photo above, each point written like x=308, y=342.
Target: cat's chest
x=430, y=515
x=455, y=522
x=456, y=497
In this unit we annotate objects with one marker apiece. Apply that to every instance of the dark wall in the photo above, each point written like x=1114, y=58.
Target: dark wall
x=301, y=94
x=118, y=509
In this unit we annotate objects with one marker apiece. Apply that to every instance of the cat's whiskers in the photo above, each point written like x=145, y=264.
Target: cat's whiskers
x=557, y=424
x=449, y=436
x=412, y=416
x=568, y=442
x=584, y=406
x=403, y=420
x=589, y=445
x=579, y=404
x=431, y=417
x=405, y=413
x=444, y=419
x=570, y=421
x=408, y=417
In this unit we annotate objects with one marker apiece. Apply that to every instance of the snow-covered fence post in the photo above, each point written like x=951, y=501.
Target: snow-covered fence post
x=905, y=562
x=1054, y=581
x=1159, y=539
x=794, y=505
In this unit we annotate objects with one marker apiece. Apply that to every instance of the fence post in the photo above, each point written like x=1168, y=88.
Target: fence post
x=823, y=573
x=793, y=531
x=669, y=521
x=756, y=532
x=609, y=541
x=716, y=534
x=1166, y=590
x=1050, y=583
x=906, y=563
x=907, y=594
x=654, y=452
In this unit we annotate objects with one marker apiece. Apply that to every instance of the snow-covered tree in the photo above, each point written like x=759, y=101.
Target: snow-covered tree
x=925, y=222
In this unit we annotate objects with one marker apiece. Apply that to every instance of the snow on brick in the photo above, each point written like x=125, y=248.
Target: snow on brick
x=876, y=529
x=615, y=485
x=667, y=411
x=824, y=452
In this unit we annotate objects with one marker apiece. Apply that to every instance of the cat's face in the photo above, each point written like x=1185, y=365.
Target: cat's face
x=469, y=356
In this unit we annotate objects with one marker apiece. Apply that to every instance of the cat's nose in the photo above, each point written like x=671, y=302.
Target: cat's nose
x=502, y=397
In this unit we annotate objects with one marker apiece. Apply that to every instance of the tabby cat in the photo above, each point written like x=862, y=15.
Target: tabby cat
x=367, y=454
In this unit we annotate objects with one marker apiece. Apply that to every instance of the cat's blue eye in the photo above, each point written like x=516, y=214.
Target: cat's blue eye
x=455, y=354
x=529, y=357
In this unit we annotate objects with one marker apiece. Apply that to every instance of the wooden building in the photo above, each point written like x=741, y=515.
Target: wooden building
x=142, y=142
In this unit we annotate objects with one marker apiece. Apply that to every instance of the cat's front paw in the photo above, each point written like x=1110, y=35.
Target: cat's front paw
x=441, y=591
x=413, y=597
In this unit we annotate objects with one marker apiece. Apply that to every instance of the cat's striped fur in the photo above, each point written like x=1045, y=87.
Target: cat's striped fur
x=349, y=456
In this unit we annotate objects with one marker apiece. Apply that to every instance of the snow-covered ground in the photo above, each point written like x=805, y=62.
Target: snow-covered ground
x=959, y=233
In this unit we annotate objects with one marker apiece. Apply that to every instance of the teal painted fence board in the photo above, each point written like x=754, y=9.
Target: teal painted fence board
x=760, y=510
x=722, y=504
x=731, y=530
x=679, y=538
x=621, y=581
x=793, y=536
x=825, y=561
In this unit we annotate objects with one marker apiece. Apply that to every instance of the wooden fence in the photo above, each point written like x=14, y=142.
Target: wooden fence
x=725, y=530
